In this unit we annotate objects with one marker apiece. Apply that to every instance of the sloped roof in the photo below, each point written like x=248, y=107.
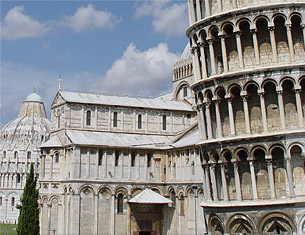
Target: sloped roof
x=147, y=196
x=189, y=139
x=54, y=141
x=113, y=139
x=87, y=98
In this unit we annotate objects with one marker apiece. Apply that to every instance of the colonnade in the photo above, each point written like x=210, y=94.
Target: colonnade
x=182, y=69
x=212, y=46
x=214, y=108
x=255, y=176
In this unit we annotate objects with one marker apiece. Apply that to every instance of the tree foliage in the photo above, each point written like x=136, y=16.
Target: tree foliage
x=28, y=221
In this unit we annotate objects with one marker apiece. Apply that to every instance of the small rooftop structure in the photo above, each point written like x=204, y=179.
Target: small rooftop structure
x=147, y=196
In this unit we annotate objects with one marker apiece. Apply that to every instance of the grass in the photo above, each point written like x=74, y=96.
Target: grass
x=9, y=229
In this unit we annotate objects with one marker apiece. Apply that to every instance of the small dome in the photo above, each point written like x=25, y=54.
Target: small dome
x=33, y=98
x=186, y=52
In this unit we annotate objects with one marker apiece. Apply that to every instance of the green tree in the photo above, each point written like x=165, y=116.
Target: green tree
x=28, y=222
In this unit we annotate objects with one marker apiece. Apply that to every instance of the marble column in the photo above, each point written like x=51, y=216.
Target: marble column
x=255, y=45
x=197, y=72
x=239, y=49
x=112, y=212
x=51, y=167
x=212, y=56
x=213, y=181
x=207, y=180
x=224, y=181
x=208, y=11
x=289, y=176
x=299, y=106
x=231, y=116
x=281, y=109
x=191, y=11
x=263, y=111
x=237, y=180
x=209, y=120
x=198, y=10
x=202, y=122
x=290, y=42
x=128, y=217
x=224, y=53
x=253, y=179
x=246, y=113
x=203, y=59
x=96, y=206
x=270, y=176
x=218, y=119
x=273, y=44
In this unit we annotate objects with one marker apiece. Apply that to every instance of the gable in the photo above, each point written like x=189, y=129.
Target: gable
x=58, y=100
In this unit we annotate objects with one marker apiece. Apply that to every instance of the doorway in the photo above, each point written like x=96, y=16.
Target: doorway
x=144, y=233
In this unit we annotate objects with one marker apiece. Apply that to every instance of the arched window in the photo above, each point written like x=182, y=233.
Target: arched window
x=28, y=155
x=115, y=119
x=4, y=154
x=88, y=118
x=185, y=91
x=139, y=121
x=164, y=122
x=13, y=201
x=120, y=203
x=58, y=121
x=56, y=157
x=15, y=154
x=0, y=201
x=18, y=178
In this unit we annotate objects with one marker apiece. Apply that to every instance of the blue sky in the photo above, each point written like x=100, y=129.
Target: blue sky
x=104, y=46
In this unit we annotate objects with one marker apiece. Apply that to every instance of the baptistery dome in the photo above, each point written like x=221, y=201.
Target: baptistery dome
x=19, y=147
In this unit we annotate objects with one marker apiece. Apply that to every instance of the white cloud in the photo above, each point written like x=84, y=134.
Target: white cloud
x=18, y=25
x=168, y=18
x=142, y=73
x=88, y=18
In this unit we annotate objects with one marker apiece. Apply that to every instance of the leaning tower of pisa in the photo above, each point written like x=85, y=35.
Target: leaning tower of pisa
x=249, y=84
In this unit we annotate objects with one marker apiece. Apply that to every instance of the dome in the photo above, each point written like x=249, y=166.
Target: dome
x=33, y=106
x=186, y=52
x=30, y=127
x=33, y=98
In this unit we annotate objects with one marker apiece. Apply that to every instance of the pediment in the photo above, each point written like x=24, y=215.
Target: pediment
x=58, y=100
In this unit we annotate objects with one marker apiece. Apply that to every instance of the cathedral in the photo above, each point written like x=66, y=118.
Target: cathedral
x=224, y=153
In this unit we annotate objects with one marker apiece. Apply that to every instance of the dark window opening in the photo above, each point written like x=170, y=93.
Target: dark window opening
x=164, y=122
x=56, y=157
x=149, y=157
x=185, y=91
x=88, y=118
x=100, y=157
x=29, y=155
x=13, y=201
x=115, y=119
x=120, y=203
x=18, y=178
x=139, y=121
x=117, y=158
x=133, y=159
x=189, y=116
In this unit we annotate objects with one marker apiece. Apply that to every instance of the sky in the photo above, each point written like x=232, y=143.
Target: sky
x=104, y=47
